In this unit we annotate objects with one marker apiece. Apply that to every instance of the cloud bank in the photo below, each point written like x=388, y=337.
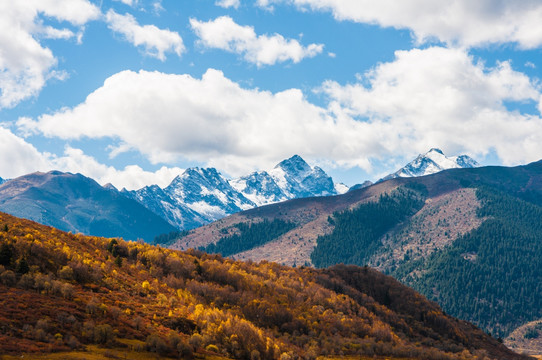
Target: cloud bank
x=24, y=158
x=461, y=22
x=424, y=98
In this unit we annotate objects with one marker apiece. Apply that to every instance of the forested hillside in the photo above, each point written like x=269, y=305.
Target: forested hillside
x=357, y=232
x=492, y=275
x=66, y=292
x=248, y=236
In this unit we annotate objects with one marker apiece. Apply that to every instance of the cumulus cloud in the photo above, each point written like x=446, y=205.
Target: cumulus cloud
x=228, y=3
x=212, y=120
x=156, y=42
x=131, y=177
x=441, y=97
x=462, y=22
x=25, y=64
x=18, y=157
x=223, y=33
x=424, y=98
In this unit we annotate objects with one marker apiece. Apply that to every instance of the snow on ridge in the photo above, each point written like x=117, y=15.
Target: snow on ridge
x=432, y=162
x=203, y=194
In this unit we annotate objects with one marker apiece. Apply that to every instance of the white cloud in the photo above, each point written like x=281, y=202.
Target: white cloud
x=156, y=42
x=440, y=97
x=223, y=33
x=422, y=99
x=228, y=3
x=25, y=65
x=131, y=177
x=461, y=22
x=212, y=120
x=18, y=157
x=128, y=2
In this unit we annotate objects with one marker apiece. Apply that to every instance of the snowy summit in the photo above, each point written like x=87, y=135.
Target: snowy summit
x=433, y=162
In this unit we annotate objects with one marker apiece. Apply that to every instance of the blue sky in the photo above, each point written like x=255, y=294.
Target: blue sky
x=134, y=91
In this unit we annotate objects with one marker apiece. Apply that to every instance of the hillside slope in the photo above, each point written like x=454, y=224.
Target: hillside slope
x=73, y=202
x=467, y=238
x=60, y=291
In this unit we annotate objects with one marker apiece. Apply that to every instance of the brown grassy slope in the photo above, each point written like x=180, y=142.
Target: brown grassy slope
x=527, y=337
x=309, y=214
x=60, y=291
x=438, y=223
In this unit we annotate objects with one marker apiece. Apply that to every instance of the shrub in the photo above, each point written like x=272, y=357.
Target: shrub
x=26, y=281
x=156, y=344
x=67, y=291
x=185, y=350
x=22, y=266
x=66, y=273
x=6, y=253
x=196, y=340
x=212, y=348
x=8, y=278
x=103, y=334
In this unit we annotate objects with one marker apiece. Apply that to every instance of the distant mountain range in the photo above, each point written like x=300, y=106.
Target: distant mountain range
x=200, y=196
x=196, y=197
x=429, y=163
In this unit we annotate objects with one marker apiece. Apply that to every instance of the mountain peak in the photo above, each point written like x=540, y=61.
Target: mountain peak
x=437, y=150
x=432, y=162
x=295, y=164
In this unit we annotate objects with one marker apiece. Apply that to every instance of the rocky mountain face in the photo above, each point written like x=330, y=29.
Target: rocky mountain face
x=73, y=202
x=200, y=196
x=292, y=178
x=466, y=238
x=432, y=162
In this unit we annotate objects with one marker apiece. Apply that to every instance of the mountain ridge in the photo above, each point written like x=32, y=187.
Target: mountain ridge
x=201, y=195
x=73, y=202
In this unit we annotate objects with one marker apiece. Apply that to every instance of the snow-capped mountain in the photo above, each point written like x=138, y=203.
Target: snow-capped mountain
x=432, y=162
x=290, y=179
x=260, y=187
x=208, y=193
x=298, y=179
x=162, y=204
x=199, y=196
